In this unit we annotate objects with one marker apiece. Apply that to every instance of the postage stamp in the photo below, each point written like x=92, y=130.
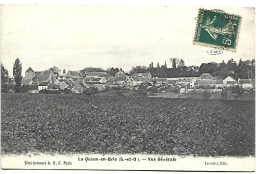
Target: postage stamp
x=217, y=29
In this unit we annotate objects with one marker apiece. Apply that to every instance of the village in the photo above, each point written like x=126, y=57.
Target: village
x=80, y=81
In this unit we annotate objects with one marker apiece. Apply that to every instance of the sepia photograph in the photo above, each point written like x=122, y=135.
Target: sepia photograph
x=127, y=87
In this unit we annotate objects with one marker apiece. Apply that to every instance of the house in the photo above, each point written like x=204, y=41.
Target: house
x=73, y=74
x=27, y=81
x=120, y=78
x=78, y=88
x=53, y=87
x=44, y=76
x=43, y=86
x=143, y=77
x=63, y=85
x=219, y=83
x=245, y=83
x=160, y=81
x=229, y=81
x=94, y=74
x=110, y=81
x=57, y=82
x=107, y=76
x=29, y=73
x=171, y=82
x=99, y=80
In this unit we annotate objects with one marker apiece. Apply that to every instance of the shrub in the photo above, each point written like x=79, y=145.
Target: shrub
x=206, y=93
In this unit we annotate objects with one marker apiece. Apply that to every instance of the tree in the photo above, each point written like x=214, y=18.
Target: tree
x=55, y=70
x=174, y=62
x=112, y=71
x=17, y=73
x=4, y=75
x=165, y=64
x=158, y=65
x=181, y=63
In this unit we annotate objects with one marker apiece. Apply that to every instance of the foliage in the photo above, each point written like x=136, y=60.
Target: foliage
x=112, y=71
x=224, y=93
x=17, y=73
x=4, y=75
x=238, y=91
x=206, y=93
x=90, y=91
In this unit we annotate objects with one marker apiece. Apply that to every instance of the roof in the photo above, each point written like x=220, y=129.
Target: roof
x=96, y=79
x=120, y=72
x=26, y=81
x=141, y=75
x=43, y=76
x=120, y=78
x=243, y=81
x=73, y=73
x=44, y=84
x=29, y=69
x=105, y=75
x=95, y=74
x=172, y=81
x=229, y=78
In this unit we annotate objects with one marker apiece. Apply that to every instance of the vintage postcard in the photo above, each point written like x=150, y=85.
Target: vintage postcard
x=127, y=88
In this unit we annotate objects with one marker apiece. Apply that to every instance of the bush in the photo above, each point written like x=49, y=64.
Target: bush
x=91, y=90
x=237, y=91
x=206, y=93
x=224, y=93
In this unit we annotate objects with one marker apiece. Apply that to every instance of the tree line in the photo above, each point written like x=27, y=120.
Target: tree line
x=242, y=69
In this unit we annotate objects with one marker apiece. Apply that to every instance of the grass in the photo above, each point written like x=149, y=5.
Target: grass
x=120, y=125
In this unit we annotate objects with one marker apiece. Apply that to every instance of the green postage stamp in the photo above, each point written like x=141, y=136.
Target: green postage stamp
x=217, y=29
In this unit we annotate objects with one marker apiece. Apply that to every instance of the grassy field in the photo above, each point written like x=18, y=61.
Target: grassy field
x=119, y=124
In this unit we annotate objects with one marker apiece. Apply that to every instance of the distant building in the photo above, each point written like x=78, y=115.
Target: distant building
x=73, y=74
x=43, y=86
x=44, y=76
x=120, y=78
x=143, y=77
x=159, y=81
x=229, y=81
x=29, y=73
x=246, y=83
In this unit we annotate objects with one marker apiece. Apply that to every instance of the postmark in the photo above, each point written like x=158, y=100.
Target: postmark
x=217, y=29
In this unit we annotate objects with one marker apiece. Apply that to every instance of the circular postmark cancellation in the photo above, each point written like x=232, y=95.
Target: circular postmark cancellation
x=218, y=30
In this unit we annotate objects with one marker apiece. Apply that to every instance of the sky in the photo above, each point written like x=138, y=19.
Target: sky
x=75, y=37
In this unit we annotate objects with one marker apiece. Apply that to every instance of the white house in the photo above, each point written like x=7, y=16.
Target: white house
x=229, y=81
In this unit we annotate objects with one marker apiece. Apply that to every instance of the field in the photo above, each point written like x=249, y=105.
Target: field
x=118, y=124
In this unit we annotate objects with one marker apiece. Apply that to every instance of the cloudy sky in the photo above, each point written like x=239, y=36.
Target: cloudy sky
x=75, y=37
